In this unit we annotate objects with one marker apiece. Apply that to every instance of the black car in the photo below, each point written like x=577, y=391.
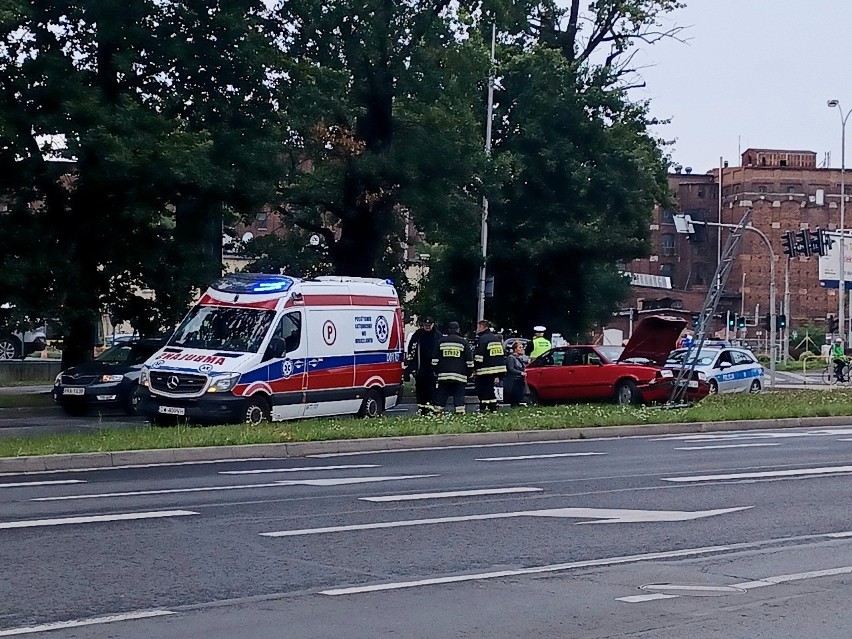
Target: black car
x=111, y=379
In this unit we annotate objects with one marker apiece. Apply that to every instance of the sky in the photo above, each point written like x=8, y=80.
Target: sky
x=753, y=73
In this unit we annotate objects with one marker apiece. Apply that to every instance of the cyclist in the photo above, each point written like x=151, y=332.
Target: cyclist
x=838, y=356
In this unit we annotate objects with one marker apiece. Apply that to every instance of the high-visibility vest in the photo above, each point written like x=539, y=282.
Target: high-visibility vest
x=540, y=346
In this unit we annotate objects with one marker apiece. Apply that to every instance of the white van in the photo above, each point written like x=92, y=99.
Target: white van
x=259, y=347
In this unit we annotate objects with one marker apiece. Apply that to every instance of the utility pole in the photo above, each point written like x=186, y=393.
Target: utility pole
x=483, y=236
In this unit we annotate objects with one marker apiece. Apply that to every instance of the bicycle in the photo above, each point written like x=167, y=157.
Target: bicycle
x=830, y=378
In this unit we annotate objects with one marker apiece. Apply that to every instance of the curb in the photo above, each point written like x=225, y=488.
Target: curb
x=85, y=461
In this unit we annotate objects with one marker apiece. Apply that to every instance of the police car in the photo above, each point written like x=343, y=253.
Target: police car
x=728, y=369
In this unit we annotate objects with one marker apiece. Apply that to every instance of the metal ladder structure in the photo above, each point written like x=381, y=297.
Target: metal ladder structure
x=714, y=294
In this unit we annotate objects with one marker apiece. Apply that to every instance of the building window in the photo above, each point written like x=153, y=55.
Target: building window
x=666, y=217
x=699, y=274
x=701, y=194
x=792, y=189
x=667, y=244
x=763, y=189
x=261, y=220
x=667, y=269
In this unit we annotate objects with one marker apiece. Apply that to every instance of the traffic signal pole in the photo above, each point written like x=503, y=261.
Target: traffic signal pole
x=785, y=332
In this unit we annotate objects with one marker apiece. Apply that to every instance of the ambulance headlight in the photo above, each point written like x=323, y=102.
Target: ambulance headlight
x=224, y=383
x=145, y=377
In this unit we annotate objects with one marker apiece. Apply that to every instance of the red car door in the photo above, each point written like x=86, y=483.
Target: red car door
x=586, y=376
x=547, y=377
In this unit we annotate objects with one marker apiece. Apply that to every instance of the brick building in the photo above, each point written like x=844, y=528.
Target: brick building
x=787, y=192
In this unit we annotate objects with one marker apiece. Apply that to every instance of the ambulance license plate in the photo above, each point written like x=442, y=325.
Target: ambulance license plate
x=172, y=410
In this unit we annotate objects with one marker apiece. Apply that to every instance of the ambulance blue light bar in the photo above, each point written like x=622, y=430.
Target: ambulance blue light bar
x=241, y=283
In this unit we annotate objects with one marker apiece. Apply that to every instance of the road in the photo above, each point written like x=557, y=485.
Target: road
x=716, y=535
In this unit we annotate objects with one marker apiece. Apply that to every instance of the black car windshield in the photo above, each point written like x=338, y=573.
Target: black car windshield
x=128, y=353
x=223, y=328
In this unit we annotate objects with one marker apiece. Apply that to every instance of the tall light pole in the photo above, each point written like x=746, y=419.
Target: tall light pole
x=841, y=287
x=483, y=236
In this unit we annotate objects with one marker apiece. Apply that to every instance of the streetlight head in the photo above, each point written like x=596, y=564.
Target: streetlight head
x=832, y=103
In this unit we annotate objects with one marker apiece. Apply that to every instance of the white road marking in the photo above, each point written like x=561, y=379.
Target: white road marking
x=826, y=432
x=747, y=585
x=519, y=457
x=295, y=470
x=129, y=466
x=455, y=493
x=26, y=484
x=92, y=621
x=840, y=535
x=601, y=515
x=798, y=472
x=331, y=481
x=34, y=523
x=724, y=446
x=611, y=561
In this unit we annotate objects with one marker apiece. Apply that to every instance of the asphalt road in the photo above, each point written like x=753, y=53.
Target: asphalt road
x=715, y=535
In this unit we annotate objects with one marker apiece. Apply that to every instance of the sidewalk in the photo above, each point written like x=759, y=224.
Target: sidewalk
x=24, y=390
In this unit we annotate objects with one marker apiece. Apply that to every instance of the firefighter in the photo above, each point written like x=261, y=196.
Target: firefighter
x=540, y=344
x=489, y=365
x=421, y=347
x=453, y=362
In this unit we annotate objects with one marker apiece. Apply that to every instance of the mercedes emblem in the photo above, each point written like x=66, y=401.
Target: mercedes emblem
x=173, y=382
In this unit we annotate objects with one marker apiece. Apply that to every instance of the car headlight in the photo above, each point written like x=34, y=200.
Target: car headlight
x=702, y=376
x=224, y=383
x=58, y=380
x=144, y=377
x=106, y=379
x=666, y=373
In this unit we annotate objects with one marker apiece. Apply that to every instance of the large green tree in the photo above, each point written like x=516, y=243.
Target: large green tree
x=579, y=172
x=161, y=115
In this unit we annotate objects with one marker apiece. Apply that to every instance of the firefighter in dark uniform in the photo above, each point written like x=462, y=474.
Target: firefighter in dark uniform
x=421, y=348
x=489, y=365
x=453, y=362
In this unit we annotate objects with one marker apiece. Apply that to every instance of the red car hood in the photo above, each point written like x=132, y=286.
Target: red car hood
x=654, y=338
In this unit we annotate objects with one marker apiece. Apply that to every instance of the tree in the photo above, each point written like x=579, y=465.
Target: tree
x=159, y=111
x=379, y=97
x=580, y=174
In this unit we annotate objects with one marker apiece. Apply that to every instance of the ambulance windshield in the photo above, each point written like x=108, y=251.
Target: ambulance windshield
x=223, y=328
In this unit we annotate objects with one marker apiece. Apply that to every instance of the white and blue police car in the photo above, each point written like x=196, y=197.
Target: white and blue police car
x=728, y=369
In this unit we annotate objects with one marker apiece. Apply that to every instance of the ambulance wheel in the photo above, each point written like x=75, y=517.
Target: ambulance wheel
x=373, y=404
x=257, y=410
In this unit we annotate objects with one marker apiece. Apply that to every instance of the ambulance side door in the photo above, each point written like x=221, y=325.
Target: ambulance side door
x=287, y=374
x=330, y=363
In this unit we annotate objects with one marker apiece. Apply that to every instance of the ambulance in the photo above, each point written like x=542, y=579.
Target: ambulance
x=273, y=347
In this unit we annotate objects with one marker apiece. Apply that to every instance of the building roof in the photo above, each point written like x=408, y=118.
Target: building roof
x=754, y=150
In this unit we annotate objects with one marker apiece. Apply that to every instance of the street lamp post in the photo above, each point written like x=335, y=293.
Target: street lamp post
x=841, y=287
x=483, y=233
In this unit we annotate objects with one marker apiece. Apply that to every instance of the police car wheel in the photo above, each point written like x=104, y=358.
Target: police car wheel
x=626, y=393
x=373, y=404
x=257, y=411
x=755, y=387
x=714, y=387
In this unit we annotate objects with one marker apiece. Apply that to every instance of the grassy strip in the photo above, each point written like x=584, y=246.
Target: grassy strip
x=804, y=403
x=26, y=400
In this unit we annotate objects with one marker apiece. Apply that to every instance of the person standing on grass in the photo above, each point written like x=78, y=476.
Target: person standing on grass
x=516, y=376
x=453, y=362
x=490, y=365
x=419, y=357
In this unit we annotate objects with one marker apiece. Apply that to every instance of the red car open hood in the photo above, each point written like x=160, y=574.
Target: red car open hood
x=654, y=338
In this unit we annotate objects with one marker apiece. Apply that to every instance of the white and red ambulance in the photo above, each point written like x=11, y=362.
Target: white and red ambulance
x=259, y=347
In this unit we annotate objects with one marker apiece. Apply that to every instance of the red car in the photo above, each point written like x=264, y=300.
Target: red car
x=627, y=375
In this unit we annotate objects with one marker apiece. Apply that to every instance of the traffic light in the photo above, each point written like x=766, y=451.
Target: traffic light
x=695, y=320
x=832, y=324
x=782, y=321
x=732, y=321
x=803, y=242
x=767, y=321
x=788, y=240
x=741, y=321
x=817, y=242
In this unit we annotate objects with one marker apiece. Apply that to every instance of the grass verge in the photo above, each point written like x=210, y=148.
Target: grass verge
x=805, y=403
x=26, y=400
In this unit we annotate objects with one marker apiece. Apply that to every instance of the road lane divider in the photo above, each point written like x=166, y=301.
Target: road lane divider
x=91, y=621
x=92, y=519
x=522, y=457
x=330, y=481
x=263, y=471
x=452, y=493
x=767, y=474
x=29, y=484
x=599, y=515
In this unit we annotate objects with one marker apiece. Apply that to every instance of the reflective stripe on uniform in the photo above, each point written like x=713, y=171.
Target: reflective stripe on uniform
x=452, y=377
x=491, y=370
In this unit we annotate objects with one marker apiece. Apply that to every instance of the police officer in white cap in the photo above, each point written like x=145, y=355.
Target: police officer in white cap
x=540, y=344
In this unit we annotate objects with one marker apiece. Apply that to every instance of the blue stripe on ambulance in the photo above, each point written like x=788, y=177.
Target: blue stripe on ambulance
x=274, y=370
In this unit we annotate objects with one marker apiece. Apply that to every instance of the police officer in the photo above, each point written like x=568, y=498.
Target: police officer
x=540, y=344
x=489, y=365
x=421, y=348
x=453, y=362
